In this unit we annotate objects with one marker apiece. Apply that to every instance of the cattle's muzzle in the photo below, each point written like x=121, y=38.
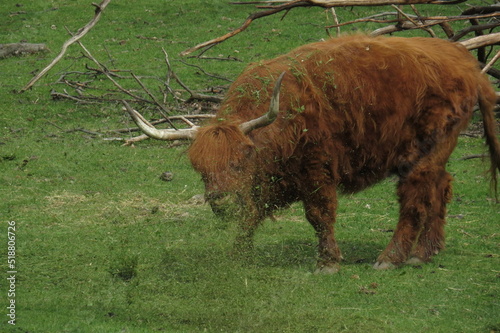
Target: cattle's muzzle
x=223, y=204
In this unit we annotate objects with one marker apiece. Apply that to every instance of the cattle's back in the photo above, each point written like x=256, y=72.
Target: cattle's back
x=362, y=99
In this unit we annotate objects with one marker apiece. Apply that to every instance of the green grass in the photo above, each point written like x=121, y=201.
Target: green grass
x=104, y=245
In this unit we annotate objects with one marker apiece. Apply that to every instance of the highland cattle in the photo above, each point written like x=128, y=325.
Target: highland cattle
x=338, y=116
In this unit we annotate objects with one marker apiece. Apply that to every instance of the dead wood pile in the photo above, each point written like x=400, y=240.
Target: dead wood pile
x=481, y=34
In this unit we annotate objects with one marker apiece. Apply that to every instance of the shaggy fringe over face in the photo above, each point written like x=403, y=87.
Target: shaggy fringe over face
x=220, y=152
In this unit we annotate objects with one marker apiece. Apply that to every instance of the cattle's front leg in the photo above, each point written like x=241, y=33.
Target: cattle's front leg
x=246, y=231
x=251, y=217
x=320, y=207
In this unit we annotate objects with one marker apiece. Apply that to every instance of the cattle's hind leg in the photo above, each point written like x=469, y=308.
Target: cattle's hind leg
x=423, y=195
x=431, y=239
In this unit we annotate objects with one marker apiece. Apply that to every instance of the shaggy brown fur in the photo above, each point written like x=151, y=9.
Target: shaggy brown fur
x=353, y=111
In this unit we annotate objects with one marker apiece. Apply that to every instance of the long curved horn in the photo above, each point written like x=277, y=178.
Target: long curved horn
x=164, y=134
x=270, y=116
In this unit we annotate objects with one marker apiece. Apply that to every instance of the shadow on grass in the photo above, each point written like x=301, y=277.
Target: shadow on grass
x=189, y=265
x=295, y=253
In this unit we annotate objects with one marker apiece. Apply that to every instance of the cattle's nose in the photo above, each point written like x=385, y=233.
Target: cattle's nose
x=213, y=196
x=220, y=203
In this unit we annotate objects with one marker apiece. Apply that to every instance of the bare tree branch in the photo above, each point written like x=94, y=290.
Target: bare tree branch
x=348, y=3
x=245, y=25
x=480, y=41
x=425, y=22
x=82, y=32
x=430, y=21
x=429, y=30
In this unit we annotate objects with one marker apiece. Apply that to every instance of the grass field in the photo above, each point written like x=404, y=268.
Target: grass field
x=103, y=245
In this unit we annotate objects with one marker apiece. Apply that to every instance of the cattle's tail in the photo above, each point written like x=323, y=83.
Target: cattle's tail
x=487, y=101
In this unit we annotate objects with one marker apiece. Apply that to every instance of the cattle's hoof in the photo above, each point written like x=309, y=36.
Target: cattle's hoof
x=327, y=269
x=384, y=265
x=415, y=261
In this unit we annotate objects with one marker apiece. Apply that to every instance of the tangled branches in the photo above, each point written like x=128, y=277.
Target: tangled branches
x=483, y=21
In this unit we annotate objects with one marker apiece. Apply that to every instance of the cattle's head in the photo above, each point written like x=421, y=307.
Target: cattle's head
x=222, y=153
x=225, y=158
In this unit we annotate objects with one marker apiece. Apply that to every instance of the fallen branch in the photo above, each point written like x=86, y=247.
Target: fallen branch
x=17, y=49
x=481, y=41
x=348, y=3
x=207, y=74
x=57, y=95
x=86, y=92
x=105, y=71
x=431, y=20
x=245, y=25
x=82, y=32
x=415, y=23
x=470, y=44
x=131, y=141
x=474, y=28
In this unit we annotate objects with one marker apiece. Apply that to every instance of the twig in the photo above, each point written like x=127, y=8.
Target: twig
x=74, y=129
x=170, y=73
x=469, y=157
x=335, y=19
x=431, y=20
x=204, y=72
x=98, y=11
x=105, y=71
x=163, y=111
x=228, y=58
x=55, y=125
x=84, y=131
x=56, y=95
x=194, y=95
x=473, y=28
x=422, y=23
x=488, y=66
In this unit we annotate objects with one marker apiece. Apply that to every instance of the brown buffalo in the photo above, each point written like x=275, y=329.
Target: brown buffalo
x=353, y=111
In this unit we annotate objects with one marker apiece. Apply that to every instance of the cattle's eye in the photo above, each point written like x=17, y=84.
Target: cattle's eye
x=248, y=151
x=236, y=166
